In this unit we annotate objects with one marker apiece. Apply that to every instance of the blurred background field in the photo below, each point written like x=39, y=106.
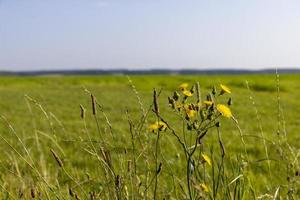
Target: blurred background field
x=45, y=113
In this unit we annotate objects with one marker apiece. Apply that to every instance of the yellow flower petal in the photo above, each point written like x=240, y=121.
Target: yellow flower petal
x=187, y=93
x=206, y=159
x=183, y=86
x=202, y=187
x=162, y=125
x=178, y=105
x=157, y=125
x=153, y=127
x=224, y=110
x=224, y=89
x=209, y=103
x=190, y=113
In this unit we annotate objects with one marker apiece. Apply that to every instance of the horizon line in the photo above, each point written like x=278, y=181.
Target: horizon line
x=154, y=71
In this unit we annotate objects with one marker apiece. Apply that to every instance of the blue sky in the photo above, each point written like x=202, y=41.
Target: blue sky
x=139, y=34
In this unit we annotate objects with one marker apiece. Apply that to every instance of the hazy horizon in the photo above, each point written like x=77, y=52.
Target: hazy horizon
x=132, y=34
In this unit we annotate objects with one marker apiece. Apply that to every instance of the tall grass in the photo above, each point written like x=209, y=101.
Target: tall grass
x=174, y=149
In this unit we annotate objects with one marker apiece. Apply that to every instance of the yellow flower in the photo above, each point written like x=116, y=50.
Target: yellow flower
x=157, y=125
x=183, y=86
x=190, y=113
x=187, y=93
x=209, y=103
x=162, y=125
x=224, y=110
x=153, y=127
x=202, y=187
x=178, y=105
x=206, y=159
x=224, y=89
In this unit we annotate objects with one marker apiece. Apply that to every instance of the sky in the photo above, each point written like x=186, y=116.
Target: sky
x=147, y=34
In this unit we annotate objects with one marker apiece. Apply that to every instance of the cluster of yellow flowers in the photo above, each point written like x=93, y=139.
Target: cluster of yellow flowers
x=191, y=109
x=206, y=109
x=198, y=116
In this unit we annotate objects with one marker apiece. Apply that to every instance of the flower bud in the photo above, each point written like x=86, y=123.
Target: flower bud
x=202, y=114
x=189, y=127
x=195, y=125
x=214, y=90
x=176, y=96
x=229, y=102
x=193, y=89
x=171, y=102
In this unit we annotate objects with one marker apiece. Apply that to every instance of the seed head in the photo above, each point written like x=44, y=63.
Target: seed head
x=176, y=96
x=56, y=157
x=229, y=102
x=82, y=111
x=155, y=103
x=93, y=104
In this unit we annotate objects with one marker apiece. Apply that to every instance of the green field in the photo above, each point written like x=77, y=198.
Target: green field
x=43, y=113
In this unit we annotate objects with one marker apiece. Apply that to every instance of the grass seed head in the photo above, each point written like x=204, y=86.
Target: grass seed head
x=21, y=192
x=129, y=166
x=71, y=193
x=118, y=182
x=159, y=168
x=82, y=111
x=93, y=104
x=155, y=102
x=57, y=158
x=32, y=192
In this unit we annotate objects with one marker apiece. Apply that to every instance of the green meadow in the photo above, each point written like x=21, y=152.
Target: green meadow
x=50, y=151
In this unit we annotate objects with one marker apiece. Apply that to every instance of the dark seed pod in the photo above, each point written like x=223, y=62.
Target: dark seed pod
x=229, y=102
x=92, y=195
x=171, y=102
x=193, y=89
x=176, y=96
x=198, y=92
x=159, y=168
x=118, y=181
x=82, y=111
x=189, y=127
x=193, y=107
x=32, y=192
x=211, y=109
x=155, y=102
x=129, y=165
x=208, y=98
x=93, y=104
x=218, y=124
x=209, y=116
x=21, y=192
x=187, y=118
x=57, y=158
x=214, y=90
x=77, y=197
x=71, y=193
